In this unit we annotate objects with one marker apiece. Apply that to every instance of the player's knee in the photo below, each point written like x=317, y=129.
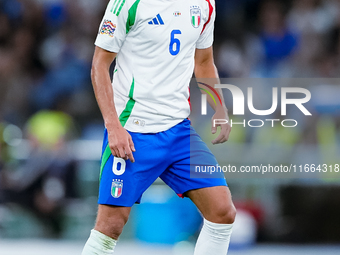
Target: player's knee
x=112, y=227
x=224, y=214
x=231, y=215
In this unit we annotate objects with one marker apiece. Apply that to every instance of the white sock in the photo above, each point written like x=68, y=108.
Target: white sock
x=213, y=239
x=99, y=244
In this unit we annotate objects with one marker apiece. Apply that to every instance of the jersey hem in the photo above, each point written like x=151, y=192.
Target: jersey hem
x=156, y=130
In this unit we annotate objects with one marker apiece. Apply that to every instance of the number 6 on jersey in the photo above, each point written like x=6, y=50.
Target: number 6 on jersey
x=175, y=44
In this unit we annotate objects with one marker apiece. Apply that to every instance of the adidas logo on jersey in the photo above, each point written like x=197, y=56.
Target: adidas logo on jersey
x=157, y=20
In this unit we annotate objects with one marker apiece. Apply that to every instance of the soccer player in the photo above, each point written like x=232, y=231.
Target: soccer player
x=157, y=45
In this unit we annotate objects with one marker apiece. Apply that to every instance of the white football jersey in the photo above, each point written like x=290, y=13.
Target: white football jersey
x=155, y=41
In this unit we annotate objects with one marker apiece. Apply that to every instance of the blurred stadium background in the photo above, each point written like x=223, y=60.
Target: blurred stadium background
x=51, y=131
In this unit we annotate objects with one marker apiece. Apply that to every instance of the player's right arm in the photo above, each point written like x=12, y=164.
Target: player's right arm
x=120, y=141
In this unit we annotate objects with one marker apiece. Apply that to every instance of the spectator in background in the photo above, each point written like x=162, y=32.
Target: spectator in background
x=312, y=16
x=67, y=68
x=4, y=154
x=266, y=52
x=278, y=41
x=47, y=179
x=45, y=57
x=313, y=20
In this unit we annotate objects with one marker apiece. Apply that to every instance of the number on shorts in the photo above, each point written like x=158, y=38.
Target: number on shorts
x=118, y=166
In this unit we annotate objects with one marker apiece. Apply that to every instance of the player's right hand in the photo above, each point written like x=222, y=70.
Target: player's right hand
x=121, y=143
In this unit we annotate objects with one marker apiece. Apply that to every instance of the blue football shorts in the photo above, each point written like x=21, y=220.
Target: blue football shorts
x=168, y=155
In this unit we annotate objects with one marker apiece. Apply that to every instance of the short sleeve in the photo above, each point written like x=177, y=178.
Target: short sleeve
x=206, y=38
x=113, y=31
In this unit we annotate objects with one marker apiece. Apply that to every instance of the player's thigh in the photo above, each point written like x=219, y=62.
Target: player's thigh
x=215, y=203
x=112, y=219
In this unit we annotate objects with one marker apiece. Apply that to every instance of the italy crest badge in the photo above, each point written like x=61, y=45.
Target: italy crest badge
x=195, y=12
x=116, y=188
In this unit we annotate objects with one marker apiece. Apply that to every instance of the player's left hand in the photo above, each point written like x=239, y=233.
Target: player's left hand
x=221, y=114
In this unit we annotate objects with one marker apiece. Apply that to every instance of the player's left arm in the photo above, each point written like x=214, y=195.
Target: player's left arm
x=205, y=68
